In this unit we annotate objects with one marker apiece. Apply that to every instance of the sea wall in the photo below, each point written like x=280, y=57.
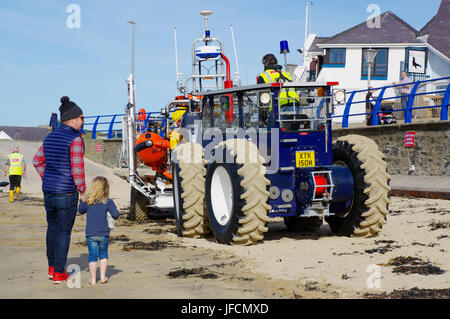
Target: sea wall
x=429, y=156
x=104, y=151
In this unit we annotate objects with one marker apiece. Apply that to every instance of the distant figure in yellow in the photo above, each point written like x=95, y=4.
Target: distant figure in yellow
x=16, y=167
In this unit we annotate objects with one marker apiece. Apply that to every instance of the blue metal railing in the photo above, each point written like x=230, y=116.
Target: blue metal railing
x=409, y=105
x=111, y=119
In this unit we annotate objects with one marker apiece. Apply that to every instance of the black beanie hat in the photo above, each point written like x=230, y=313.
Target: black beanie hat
x=68, y=109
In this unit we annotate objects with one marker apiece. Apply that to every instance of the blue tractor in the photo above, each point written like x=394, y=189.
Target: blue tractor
x=248, y=155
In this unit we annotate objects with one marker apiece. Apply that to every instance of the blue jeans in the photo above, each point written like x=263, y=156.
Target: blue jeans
x=98, y=248
x=404, y=100
x=61, y=211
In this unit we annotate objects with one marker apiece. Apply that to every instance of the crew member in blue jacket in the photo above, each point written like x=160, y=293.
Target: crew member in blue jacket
x=53, y=121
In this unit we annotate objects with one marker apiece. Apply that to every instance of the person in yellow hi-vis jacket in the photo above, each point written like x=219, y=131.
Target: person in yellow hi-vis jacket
x=16, y=167
x=273, y=73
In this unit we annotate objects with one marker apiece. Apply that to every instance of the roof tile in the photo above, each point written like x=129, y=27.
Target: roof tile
x=438, y=29
x=25, y=133
x=392, y=30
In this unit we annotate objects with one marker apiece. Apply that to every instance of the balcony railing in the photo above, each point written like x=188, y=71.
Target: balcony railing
x=427, y=99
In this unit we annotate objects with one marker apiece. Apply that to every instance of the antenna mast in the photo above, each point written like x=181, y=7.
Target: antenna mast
x=238, y=77
x=131, y=114
x=176, y=59
x=308, y=5
x=205, y=14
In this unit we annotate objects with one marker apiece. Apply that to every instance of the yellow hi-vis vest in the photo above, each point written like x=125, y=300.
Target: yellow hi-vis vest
x=15, y=163
x=271, y=76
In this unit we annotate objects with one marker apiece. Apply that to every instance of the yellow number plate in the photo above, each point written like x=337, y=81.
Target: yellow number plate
x=305, y=159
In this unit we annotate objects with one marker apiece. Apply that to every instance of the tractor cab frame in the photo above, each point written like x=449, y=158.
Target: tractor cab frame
x=266, y=156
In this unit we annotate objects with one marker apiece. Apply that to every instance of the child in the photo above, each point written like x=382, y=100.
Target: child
x=97, y=232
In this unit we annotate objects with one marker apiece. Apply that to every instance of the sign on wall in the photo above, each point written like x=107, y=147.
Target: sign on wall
x=99, y=147
x=417, y=61
x=410, y=139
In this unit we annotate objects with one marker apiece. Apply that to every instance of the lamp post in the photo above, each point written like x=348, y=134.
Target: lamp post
x=130, y=111
x=369, y=56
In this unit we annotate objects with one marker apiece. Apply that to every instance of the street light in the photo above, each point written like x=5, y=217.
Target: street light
x=369, y=56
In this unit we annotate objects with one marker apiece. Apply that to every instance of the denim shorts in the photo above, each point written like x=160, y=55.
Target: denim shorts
x=98, y=248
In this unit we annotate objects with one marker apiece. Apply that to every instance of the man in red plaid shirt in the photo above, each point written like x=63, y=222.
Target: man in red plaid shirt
x=76, y=161
x=60, y=163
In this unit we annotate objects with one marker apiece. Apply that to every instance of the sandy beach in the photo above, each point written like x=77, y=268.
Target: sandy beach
x=150, y=261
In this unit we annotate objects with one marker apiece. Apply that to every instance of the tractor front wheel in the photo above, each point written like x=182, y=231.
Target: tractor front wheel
x=236, y=194
x=189, y=190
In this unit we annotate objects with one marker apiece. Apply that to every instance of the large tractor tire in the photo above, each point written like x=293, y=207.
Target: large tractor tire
x=138, y=206
x=236, y=194
x=296, y=223
x=189, y=190
x=367, y=211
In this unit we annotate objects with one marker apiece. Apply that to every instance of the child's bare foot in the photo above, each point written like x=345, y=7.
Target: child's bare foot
x=104, y=281
x=92, y=283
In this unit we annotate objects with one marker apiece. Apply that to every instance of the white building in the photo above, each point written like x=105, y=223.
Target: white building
x=423, y=54
x=4, y=136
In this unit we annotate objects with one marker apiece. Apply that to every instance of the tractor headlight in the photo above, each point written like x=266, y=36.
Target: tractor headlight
x=264, y=98
x=339, y=96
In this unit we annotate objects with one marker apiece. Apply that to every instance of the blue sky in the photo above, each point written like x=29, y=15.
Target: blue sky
x=41, y=59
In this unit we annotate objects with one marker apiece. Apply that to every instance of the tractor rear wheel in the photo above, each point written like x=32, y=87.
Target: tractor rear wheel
x=368, y=209
x=189, y=190
x=138, y=206
x=236, y=194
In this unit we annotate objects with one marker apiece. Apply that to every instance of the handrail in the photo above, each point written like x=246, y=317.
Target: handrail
x=409, y=107
x=408, y=110
x=377, y=107
x=445, y=103
x=409, y=104
x=101, y=120
x=347, y=109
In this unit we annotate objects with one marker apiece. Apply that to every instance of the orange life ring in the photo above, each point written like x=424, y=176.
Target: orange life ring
x=141, y=115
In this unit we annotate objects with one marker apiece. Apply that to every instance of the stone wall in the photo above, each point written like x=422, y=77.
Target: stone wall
x=108, y=152
x=430, y=155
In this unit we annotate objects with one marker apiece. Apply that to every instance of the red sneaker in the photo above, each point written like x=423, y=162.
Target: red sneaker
x=50, y=271
x=59, y=278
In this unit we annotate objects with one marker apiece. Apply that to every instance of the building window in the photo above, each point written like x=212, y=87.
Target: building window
x=334, y=58
x=379, y=69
